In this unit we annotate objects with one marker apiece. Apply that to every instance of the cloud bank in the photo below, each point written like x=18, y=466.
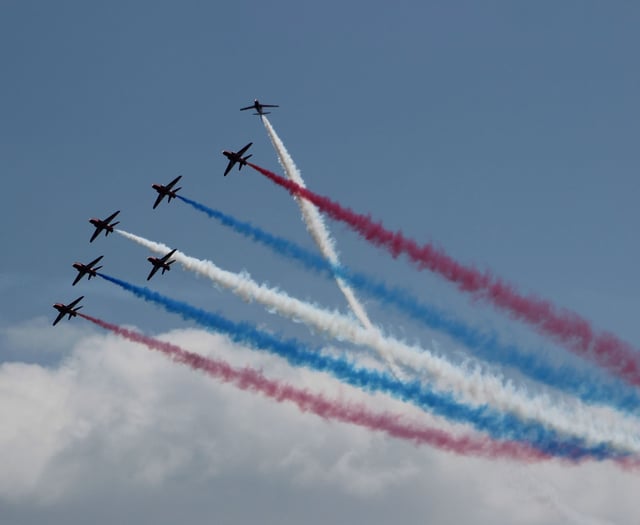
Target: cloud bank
x=115, y=422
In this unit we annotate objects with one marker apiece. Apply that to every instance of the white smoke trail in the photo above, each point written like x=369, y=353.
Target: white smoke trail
x=595, y=424
x=315, y=224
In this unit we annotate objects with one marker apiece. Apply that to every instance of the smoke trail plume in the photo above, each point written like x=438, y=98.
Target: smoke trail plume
x=470, y=386
x=315, y=225
x=590, y=387
x=565, y=327
x=242, y=285
x=358, y=414
x=484, y=418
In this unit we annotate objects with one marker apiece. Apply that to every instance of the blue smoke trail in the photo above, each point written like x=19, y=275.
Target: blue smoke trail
x=497, y=425
x=589, y=387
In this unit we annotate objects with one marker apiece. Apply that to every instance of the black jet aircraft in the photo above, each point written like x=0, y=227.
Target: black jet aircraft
x=67, y=309
x=166, y=191
x=103, y=225
x=258, y=107
x=84, y=269
x=236, y=157
x=160, y=262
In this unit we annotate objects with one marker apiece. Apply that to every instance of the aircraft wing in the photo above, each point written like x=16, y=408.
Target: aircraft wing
x=166, y=257
x=173, y=182
x=153, y=271
x=229, y=166
x=71, y=305
x=243, y=150
x=78, y=277
x=111, y=217
x=96, y=233
x=94, y=262
x=252, y=106
x=57, y=319
x=269, y=105
x=158, y=200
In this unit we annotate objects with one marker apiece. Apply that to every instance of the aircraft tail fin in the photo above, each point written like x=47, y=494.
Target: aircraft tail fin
x=244, y=161
x=74, y=312
x=172, y=195
x=110, y=227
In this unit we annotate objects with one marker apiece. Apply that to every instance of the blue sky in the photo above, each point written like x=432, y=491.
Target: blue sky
x=504, y=132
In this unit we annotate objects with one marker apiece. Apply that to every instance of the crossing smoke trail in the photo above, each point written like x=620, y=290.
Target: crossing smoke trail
x=588, y=386
x=484, y=418
x=248, y=290
x=315, y=224
x=475, y=387
x=358, y=414
x=565, y=327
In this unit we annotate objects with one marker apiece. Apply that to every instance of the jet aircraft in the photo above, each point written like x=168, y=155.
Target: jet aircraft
x=166, y=191
x=84, y=269
x=103, y=225
x=258, y=107
x=236, y=157
x=67, y=309
x=160, y=262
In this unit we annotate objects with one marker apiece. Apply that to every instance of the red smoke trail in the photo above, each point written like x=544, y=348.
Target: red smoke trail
x=357, y=414
x=565, y=327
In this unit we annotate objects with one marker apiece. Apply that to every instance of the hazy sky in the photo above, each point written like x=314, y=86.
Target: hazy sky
x=505, y=132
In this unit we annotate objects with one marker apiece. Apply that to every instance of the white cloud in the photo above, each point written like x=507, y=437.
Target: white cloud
x=114, y=420
x=33, y=339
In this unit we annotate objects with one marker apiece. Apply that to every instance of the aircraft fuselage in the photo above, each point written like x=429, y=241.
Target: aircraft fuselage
x=160, y=264
x=84, y=269
x=162, y=190
x=63, y=310
x=101, y=225
x=235, y=157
